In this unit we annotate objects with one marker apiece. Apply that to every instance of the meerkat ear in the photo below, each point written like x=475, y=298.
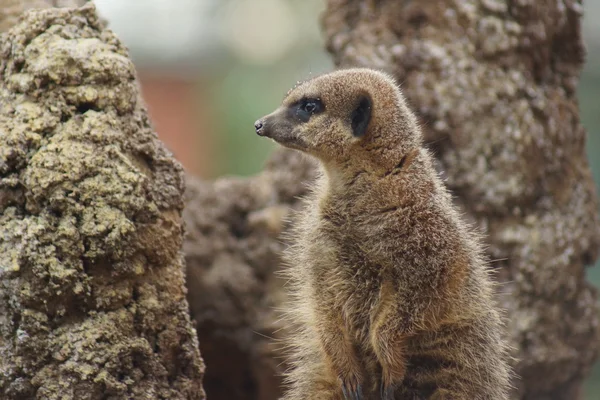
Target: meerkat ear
x=361, y=116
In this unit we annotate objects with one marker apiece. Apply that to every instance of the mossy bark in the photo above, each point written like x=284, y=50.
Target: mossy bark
x=92, y=292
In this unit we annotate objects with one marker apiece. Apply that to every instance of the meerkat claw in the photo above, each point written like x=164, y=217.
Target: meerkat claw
x=345, y=391
x=352, y=392
x=387, y=392
x=358, y=393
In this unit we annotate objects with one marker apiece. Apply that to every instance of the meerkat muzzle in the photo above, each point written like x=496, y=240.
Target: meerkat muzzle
x=259, y=125
x=275, y=126
x=266, y=126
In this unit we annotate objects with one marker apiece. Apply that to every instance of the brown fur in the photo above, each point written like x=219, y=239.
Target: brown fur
x=389, y=286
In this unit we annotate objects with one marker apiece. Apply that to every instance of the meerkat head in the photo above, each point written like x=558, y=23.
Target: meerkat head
x=343, y=117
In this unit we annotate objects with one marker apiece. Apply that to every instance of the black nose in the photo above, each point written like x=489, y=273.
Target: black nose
x=258, y=125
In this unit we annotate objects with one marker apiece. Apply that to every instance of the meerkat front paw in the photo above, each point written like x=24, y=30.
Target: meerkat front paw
x=351, y=387
x=388, y=346
x=389, y=380
x=387, y=390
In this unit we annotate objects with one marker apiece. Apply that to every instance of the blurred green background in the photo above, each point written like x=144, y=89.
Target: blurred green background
x=212, y=67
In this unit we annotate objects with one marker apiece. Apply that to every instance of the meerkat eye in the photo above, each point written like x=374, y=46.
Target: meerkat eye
x=308, y=107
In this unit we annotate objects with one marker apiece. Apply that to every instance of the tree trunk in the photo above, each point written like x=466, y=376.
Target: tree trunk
x=92, y=293
x=232, y=252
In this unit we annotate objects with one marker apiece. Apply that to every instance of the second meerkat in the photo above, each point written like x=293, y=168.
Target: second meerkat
x=390, y=292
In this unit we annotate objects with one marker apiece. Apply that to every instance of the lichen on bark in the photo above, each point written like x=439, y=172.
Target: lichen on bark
x=92, y=294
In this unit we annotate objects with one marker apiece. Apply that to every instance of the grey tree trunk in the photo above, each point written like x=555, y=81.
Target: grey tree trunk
x=494, y=83
x=92, y=291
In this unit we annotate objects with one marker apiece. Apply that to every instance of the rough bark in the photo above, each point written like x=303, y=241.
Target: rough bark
x=92, y=293
x=494, y=83
x=232, y=253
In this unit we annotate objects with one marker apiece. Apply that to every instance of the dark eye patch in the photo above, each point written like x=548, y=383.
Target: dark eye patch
x=306, y=107
x=361, y=116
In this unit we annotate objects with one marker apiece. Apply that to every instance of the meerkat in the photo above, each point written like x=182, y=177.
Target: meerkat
x=389, y=287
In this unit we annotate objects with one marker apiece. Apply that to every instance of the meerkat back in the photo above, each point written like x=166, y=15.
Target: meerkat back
x=390, y=296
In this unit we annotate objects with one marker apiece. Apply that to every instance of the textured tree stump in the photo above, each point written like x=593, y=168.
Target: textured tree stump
x=11, y=10
x=92, y=293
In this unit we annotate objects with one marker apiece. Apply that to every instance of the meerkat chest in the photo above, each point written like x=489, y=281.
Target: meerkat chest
x=343, y=272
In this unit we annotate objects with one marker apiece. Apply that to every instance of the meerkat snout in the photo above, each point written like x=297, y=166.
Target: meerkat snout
x=281, y=126
x=258, y=125
x=307, y=117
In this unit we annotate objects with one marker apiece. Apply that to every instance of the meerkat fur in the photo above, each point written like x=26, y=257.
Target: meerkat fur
x=390, y=295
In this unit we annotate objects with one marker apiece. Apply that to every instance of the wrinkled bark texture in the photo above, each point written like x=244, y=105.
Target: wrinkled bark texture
x=92, y=294
x=494, y=83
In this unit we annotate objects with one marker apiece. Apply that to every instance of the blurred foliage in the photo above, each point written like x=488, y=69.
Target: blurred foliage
x=250, y=84
x=244, y=94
